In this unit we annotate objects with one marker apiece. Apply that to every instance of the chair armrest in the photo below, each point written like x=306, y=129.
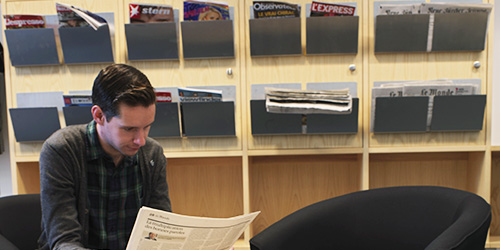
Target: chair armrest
x=5, y=244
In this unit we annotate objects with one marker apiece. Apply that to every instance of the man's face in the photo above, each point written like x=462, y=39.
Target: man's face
x=128, y=131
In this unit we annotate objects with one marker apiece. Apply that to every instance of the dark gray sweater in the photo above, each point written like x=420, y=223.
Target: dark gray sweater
x=63, y=180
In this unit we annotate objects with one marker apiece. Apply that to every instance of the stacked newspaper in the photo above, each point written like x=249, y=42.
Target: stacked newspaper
x=422, y=88
x=308, y=101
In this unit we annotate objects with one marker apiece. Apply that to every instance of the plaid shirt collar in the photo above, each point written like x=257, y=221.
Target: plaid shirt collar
x=95, y=150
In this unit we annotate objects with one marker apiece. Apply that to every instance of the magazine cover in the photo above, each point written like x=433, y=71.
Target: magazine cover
x=163, y=96
x=263, y=9
x=199, y=95
x=24, y=21
x=68, y=18
x=150, y=13
x=77, y=100
x=330, y=9
x=72, y=16
x=205, y=11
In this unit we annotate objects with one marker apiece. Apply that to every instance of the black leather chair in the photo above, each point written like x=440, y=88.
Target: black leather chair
x=20, y=222
x=399, y=218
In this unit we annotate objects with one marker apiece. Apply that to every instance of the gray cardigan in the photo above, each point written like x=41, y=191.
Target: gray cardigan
x=63, y=180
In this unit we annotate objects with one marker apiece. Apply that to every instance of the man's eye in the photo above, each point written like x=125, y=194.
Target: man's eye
x=128, y=129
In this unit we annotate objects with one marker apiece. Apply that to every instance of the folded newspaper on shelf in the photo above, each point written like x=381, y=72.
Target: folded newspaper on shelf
x=157, y=229
x=308, y=101
x=431, y=88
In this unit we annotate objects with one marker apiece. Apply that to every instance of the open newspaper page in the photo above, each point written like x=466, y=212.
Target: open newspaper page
x=157, y=229
x=308, y=101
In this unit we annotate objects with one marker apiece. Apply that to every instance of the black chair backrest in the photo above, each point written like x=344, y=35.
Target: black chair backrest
x=409, y=218
x=20, y=220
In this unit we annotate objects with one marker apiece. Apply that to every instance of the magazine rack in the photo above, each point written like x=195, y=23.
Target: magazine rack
x=29, y=47
x=458, y=113
x=152, y=41
x=34, y=124
x=271, y=37
x=460, y=32
x=208, y=119
x=401, y=114
x=77, y=115
x=86, y=45
x=208, y=39
x=410, y=33
x=401, y=33
x=332, y=35
x=166, y=120
x=265, y=123
x=333, y=123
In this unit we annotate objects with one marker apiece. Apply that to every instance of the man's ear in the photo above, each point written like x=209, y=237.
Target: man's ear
x=98, y=115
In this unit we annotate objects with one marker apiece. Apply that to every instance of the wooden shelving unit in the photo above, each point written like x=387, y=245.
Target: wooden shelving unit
x=278, y=174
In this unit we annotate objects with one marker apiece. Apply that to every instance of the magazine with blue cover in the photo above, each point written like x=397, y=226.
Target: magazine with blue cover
x=205, y=11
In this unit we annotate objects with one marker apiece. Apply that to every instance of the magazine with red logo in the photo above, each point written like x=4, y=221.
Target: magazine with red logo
x=149, y=13
x=329, y=9
x=24, y=21
x=163, y=96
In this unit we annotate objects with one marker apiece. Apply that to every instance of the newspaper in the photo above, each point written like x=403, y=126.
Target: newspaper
x=308, y=101
x=445, y=8
x=429, y=88
x=398, y=9
x=157, y=229
x=71, y=16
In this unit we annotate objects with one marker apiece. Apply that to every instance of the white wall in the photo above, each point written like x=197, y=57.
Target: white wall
x=495, y=121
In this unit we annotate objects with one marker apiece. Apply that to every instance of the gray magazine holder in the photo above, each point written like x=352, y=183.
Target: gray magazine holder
x=208, y=119
x=278, y=36
x=34, y=124
x=332, y=35
x=152, y=41
x=265, y=123
x=28, y=47
x=401, y=114
x=207, y=39
x=458, y=113
x=166, y=120
x=334, y=123
x=86, y=45
x=74, y=115
x=460, y=32
x=401, y=33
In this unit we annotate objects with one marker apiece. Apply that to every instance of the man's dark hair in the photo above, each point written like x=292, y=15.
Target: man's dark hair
x=121, y=83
